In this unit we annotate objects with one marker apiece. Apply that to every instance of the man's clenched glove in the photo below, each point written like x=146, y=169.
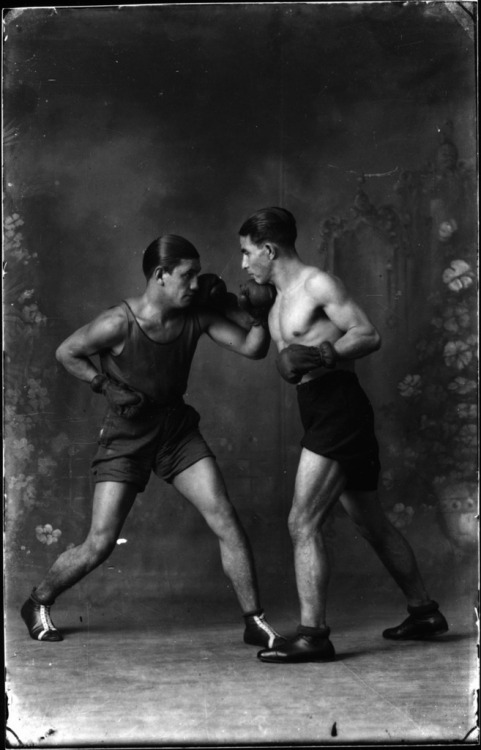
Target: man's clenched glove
x=256, y=300
x=124, y=401
x=295, y=360
x=212, y=292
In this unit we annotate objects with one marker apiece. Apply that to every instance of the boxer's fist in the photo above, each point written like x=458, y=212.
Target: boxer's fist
x=124, y=401
x=295, y=360
x=257, y=299
x=212, y=292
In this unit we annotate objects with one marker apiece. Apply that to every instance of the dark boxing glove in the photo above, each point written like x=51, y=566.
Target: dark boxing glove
x=256, y=300
x=124, y=401
x=212, y=292
x=295, y=360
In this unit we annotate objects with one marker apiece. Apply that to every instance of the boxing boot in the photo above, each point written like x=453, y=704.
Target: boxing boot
x=310, y=644
x=37, y=619
x=258, y=632
x=424, y=621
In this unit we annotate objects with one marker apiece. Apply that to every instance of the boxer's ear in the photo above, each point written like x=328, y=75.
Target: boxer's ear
x=271, y=250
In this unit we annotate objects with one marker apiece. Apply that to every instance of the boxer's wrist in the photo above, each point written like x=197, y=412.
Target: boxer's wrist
x=98, y=382
x=328, y=355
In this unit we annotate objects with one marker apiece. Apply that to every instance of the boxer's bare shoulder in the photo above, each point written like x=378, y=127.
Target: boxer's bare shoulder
x=324, y=287
x=105, y=332
x=111, y=323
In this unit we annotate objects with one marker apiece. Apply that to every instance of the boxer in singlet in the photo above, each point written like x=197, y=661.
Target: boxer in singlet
x=145, y=346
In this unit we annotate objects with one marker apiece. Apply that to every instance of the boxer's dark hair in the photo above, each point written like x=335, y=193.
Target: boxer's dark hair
x=270, y=225
x=167, y=251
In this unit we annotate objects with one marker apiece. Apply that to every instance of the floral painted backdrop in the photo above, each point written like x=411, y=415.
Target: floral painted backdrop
x=414, y=263
x=38, y=449
x=421, y=264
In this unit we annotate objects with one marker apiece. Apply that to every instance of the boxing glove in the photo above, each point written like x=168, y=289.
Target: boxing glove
x=257, y=299
x=295, y=360
x=124, y=401
x=212, y=292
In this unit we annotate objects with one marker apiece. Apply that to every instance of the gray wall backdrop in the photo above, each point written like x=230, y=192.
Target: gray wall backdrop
x=125, y=123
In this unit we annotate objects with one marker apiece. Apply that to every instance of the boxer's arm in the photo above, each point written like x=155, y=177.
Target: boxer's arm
x=253, y=343
x=105, y=332
x=359, y=336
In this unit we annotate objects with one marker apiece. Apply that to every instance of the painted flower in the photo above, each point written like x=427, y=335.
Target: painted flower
x=458, y=276
x=15, y=396
x=401, y=515
x=447, y=229
x=47, y=534
x=388, y=480
x=29, y=496
x=456, y=318
x=13, y=419
x=22, y=448
x=462, y=386
x=32, y=314
x=13, y=221
x=19, y=482
x=411, y=386
x=468, y=435
x=457, y=354
x=9, y=413
x=24, y=485
x=46, y=465
x=26, y=294
x=59, y=443
x=463, y=317
x=467, y=411
x=37, y=394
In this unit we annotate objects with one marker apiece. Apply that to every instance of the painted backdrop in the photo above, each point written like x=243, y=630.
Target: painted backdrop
x=124, y=123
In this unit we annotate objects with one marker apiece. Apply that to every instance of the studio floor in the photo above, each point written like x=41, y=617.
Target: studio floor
x=141, y=675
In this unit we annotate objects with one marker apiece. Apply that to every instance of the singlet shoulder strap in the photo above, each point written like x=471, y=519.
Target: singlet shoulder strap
x=131, y=319
x=196, y=327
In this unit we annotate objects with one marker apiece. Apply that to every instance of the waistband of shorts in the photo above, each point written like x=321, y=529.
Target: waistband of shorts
x=327, y=377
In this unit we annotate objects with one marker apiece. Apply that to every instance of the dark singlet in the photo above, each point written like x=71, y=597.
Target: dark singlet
x=160, y=371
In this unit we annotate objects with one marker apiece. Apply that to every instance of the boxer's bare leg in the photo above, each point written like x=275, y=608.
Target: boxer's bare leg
x=112, y=502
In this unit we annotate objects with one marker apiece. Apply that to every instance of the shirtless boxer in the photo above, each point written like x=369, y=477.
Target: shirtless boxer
x=145, y=346
x=319, y=331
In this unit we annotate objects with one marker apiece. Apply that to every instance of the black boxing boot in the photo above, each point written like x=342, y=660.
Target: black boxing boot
x=37, y=619
x=258, y=632
x=310, y=644
x=424, y=621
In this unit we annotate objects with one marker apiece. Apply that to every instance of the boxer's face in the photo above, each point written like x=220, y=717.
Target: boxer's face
x=181, y=284
x=256, y=260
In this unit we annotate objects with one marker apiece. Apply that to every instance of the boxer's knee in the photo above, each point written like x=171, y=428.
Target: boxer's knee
x=222, y=519
x=375, y=530
x=302, y=525
x=99, y=546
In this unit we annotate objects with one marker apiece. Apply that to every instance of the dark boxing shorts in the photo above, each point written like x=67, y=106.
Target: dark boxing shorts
x=338, y=420
x=166, y=441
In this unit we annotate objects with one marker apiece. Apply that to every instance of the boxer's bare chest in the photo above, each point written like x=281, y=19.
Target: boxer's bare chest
x=296, y=318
